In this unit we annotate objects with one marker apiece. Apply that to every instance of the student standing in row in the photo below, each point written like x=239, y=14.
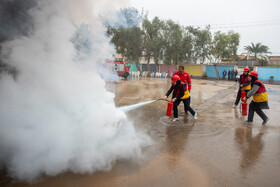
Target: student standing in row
x=224, y=74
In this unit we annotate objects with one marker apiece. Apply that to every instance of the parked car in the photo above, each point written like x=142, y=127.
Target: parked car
x=238, y=76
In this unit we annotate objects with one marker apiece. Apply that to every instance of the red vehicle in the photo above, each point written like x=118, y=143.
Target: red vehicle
x=119, y=67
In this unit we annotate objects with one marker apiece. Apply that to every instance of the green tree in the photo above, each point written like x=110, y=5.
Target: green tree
x=219, y=45
x=173, y=35
x=233, y=45
x=224, y=46
x=186, y=48
x=153, y=40
x=128, y=37
x=201, y=40
x=170, y=42
x=147, y=39
x=257, y=50
x=158, y=41
x=134, y=48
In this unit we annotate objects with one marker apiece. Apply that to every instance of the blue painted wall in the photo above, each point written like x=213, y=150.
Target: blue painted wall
x=222, y=68
x=266, y=72
x=211, y=72
x=132, y=67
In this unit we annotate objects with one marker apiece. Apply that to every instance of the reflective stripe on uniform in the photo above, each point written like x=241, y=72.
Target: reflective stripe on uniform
x=261, y=94
x=247, y=87
x=260, y=97
x=186, y=95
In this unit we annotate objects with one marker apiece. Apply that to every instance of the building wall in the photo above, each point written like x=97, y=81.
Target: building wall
x=222, y=68
x=266, y=72
x=211, y=72
x=168, y=68
x=152, y=67
x=248, y=63
x=274, y=59
x=197, y=70
x=132, y=67
x=172, y=68
x=193, y=70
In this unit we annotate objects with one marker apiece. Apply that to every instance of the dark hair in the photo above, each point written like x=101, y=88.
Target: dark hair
x=253, y=80
x=182, y=67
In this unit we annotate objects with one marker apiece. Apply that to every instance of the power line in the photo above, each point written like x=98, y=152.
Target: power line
x=244, y=24
x=251, y=22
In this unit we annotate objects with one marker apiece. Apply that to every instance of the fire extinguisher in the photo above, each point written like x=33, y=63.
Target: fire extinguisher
x=244, y=104
x=244, y=108
x=243, y=94
x=169, y=109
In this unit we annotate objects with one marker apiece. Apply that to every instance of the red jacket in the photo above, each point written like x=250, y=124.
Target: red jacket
x=185, y=78
x=243, y=79
x=178, y=92
x=261, y=88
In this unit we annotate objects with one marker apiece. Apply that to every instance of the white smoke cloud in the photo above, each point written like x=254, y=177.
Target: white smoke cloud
x=57, y=115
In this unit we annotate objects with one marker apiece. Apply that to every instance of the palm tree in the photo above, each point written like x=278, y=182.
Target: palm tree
x=257, y=49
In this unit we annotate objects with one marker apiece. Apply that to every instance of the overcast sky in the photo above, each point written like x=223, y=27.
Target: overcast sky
x=255, y=20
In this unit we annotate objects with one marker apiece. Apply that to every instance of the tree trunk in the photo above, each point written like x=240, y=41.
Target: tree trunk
x=138, y=68
x=136, y=62
x=217, y=72
x=148, y=65
x=157, y=65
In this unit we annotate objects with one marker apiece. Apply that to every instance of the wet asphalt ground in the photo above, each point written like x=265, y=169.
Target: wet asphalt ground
x=217, y=149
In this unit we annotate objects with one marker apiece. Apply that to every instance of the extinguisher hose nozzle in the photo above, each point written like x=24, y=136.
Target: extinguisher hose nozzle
x=164, y=100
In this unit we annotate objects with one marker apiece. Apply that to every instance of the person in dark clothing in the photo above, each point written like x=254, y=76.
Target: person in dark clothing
x=232, y=74
x=236, y=73
x=228, y=74
x=244, y=85
x=180, y=93
x=224, y=74
x=260, y=99
x=184, y=77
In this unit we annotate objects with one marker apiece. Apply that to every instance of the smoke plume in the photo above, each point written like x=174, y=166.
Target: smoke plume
x=56, y=115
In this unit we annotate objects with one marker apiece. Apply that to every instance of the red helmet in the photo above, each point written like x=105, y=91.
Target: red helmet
x=246, y=69
x=175, y=78
x=254, y=73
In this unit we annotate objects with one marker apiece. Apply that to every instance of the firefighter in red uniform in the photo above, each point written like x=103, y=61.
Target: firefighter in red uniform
x=244, y=85
x=260, y=99
x=180, y=93
x=184, y=77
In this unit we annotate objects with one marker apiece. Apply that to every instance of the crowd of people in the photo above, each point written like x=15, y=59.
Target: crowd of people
x=230, y=75
x=248, y=82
